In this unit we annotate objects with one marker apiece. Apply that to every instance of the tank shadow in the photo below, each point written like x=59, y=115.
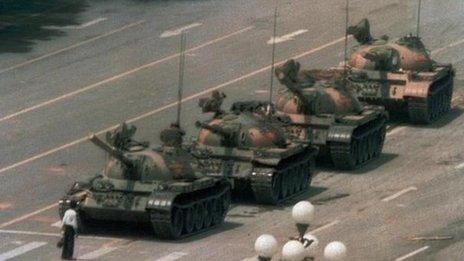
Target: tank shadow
x=383, y=159
x=24, y=22
x=144, y=232
x=304, y=195
x=455, y=113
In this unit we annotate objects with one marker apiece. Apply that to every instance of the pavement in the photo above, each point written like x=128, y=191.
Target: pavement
x=95, y=64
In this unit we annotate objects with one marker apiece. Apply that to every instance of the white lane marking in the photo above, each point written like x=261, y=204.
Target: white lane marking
x=177, y=31
x=28, y=215
x=412, y=253
x=198, y=94
x=451, y=45
x=333, y=223
x=56, y=224
x=287, y=37
x=459, y=166
x=97, y=253
x=71, y=47
x=21, y=250
x=396, y=130
x=172, y=257
x=78, y=27
x=35, y=233
x=399, y=193
x=261, y=91
x=118, y=76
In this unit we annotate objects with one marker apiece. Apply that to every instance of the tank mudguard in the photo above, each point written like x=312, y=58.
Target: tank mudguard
x=340, y=133
x=418, y=89
x=161, y=200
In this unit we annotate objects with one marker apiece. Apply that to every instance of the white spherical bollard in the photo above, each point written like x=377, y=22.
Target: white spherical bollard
x=293, y=251
x=303, y=212
x=266, y=246
x=311, y=249
x=335, y=251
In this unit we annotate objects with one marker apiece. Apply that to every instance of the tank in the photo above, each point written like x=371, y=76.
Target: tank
x=162, y=186
x=253, y=149
x=400, y=75
x=325, y=114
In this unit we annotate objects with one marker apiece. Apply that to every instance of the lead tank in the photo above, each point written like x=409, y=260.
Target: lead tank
x=400, y=75
x=323, y=113
x=251, y=147
x=164, y=187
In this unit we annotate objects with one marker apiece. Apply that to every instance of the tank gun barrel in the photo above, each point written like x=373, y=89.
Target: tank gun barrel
x=213, y=128
x=117, y=154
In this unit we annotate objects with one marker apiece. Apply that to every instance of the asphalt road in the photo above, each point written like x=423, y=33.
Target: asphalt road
x=113, y=62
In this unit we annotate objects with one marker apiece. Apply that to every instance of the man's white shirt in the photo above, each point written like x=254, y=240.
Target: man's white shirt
x=70, y=218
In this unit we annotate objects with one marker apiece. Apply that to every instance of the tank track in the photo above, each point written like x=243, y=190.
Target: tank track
x=437, y=103
x=366, y=145
x=200, y=211
x=274, y=185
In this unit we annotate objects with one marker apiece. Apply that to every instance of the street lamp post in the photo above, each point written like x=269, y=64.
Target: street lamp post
x=302, y=247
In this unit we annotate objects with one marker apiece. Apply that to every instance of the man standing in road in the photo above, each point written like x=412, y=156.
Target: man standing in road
x=69, y=228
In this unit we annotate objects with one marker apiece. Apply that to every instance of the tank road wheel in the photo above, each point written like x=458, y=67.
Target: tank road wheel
x=209, y=213
x=283, y=185
x=217, y=211
x=302, y=177
x=199, y=216
x=419, y=110
x=177, y=223
x=277, y=187
x=226, y=199
x=189, y=221
x=83, y=222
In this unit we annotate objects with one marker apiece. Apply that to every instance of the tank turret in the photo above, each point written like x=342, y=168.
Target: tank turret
x=399, y=74
x=407, y=53
x=307, y=94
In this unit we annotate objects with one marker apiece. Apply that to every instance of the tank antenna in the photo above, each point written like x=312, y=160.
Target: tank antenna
x=273, y=55
x=418, y=18
x=345, y=65
x=181, y=76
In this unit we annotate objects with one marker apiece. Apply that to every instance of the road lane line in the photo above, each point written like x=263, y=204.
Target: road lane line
x=36, y=233
x=56, y=224
x=174, y=32
x=287, y=37
x=97, y=253
x=399, y=193
x=172, y=257
x=21, y=250
x=71, y=47
x=77, y=27
x=395, y=130
x=331, y=224
x=459, y=166
x=451, y=45
x=119, y=76
x=413, y=253
x=28, y=215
